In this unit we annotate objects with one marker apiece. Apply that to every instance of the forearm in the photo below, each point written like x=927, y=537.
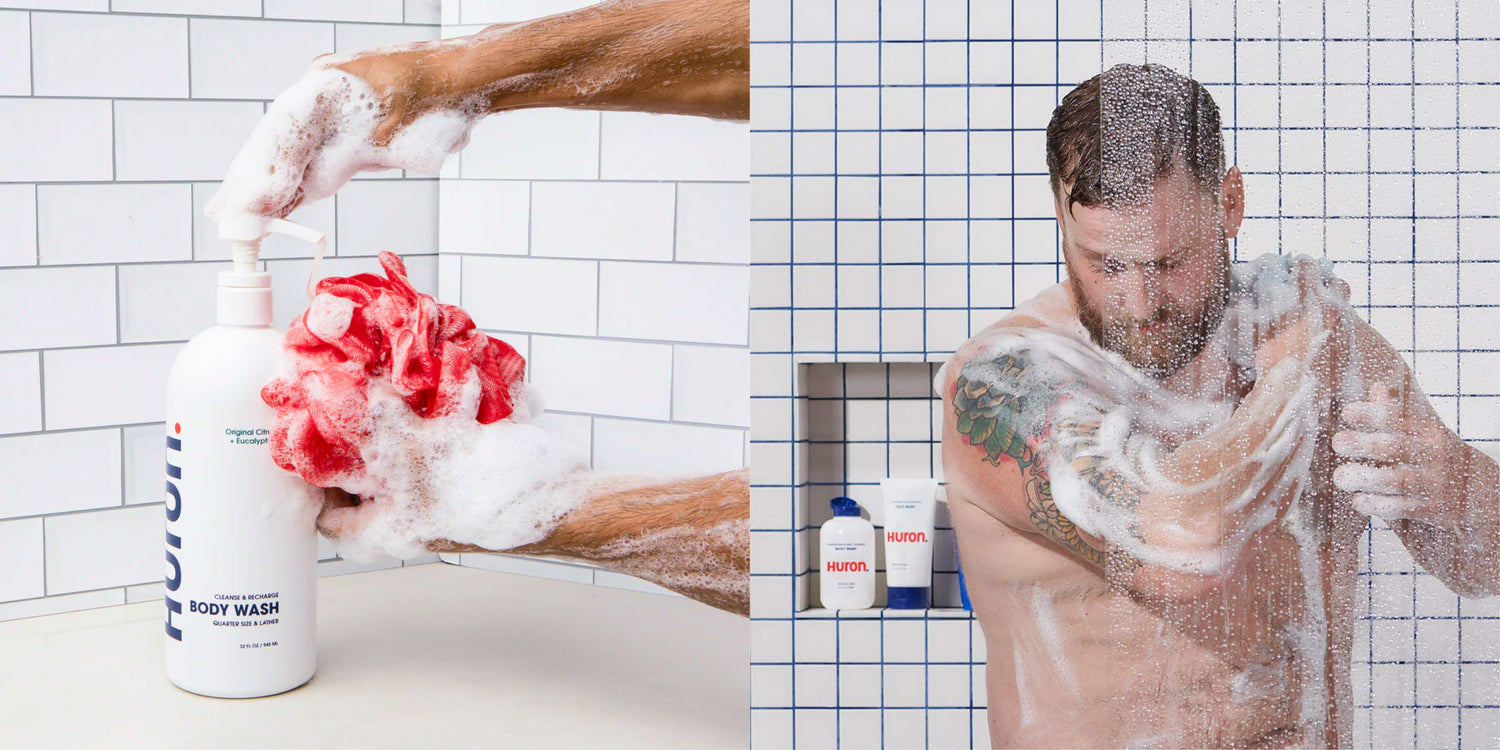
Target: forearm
x=691, y=536
x=1445, y=506
x=1464, y=554
x=686, y=57
x=1193, y=506
x=1185, y=509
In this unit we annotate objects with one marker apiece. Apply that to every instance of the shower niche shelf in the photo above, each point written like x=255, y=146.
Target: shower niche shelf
x=857, y=423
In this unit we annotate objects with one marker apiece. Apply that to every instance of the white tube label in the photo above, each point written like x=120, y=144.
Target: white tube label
x=910, y=510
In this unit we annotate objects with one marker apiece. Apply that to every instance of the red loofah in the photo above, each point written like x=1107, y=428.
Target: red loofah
x=424, y=349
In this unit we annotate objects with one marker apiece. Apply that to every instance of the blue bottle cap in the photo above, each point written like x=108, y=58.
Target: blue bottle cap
x=907, y=597
x=843, y=506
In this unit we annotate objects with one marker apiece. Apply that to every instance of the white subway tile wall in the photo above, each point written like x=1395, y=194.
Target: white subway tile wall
x=15, y=53
x=89, y=54
x=179, y=140
x=18, y=216
x=246, y=59
x=532, y=144
x=116, y=119
x=105, y=386
x=20, y=377
x=612, y=250
x=65, y=140
x=382, y=11
x=114, y=223
x=900, y=204
x=397, y=215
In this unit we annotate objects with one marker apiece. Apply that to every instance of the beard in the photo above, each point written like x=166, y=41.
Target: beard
x=1158, y=354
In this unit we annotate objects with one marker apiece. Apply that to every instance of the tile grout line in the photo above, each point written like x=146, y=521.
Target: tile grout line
x=124, y=489
x=221, y=16
x=1458, y=328
x=41, y=366
x=118, y=312
x=36, y=220
x=31, y=55
x=795, y=586
x=44, y=557
x=1415, y=670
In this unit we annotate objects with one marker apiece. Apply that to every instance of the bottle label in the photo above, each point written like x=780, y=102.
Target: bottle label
x=847, y=567
x=174, y=542
x=239, y=610
x=845, y=557
x=247, y=435
x=218, y=609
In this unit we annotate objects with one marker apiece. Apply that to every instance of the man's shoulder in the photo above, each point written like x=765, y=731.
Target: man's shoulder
x=1052, y=309
x=990, y=452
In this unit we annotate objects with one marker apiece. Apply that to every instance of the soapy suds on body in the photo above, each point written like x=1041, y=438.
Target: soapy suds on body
x=1092, y=414
x=496, y=486
x=1099, y=412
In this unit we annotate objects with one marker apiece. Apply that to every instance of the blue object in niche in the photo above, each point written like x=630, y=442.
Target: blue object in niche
x=963, y=590
x=908, y=597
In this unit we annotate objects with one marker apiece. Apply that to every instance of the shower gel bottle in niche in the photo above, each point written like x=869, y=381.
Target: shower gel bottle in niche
x=847, y=580
x=241, y=558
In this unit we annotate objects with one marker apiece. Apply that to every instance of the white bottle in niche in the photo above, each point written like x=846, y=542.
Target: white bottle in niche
x=242, y=555
x=847, y=580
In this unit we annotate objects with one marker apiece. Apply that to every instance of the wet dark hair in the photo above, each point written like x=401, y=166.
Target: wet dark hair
x=1117, y=134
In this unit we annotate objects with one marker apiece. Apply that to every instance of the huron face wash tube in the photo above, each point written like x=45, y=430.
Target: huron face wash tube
x=910, y=510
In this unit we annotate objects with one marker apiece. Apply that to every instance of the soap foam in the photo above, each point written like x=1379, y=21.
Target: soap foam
x=1090, y=408
x=321, y=132
x=398, y=399
x=497, y=486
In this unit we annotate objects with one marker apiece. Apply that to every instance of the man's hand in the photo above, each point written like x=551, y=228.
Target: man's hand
x=341, y=514
x=345, y=116
x=1399, y=466
x=1303, y=313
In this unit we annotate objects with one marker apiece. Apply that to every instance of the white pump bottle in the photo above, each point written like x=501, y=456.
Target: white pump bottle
x=241, y=567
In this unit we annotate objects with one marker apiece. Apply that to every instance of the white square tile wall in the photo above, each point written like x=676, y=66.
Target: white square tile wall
x=115, y=118
x=900, y=204
x=612, y=249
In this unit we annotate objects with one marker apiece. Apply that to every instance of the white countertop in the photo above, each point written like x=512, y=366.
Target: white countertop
x=426, y=656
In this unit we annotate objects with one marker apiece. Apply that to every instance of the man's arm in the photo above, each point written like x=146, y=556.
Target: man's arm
x=1175, y=540
x=681, y=57
x=1401, y=463
x=691, y=536
x=982, y=417
x=686, y=57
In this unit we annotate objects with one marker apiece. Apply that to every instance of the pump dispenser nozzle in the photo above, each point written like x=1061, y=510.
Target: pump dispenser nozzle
x=245, y=292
